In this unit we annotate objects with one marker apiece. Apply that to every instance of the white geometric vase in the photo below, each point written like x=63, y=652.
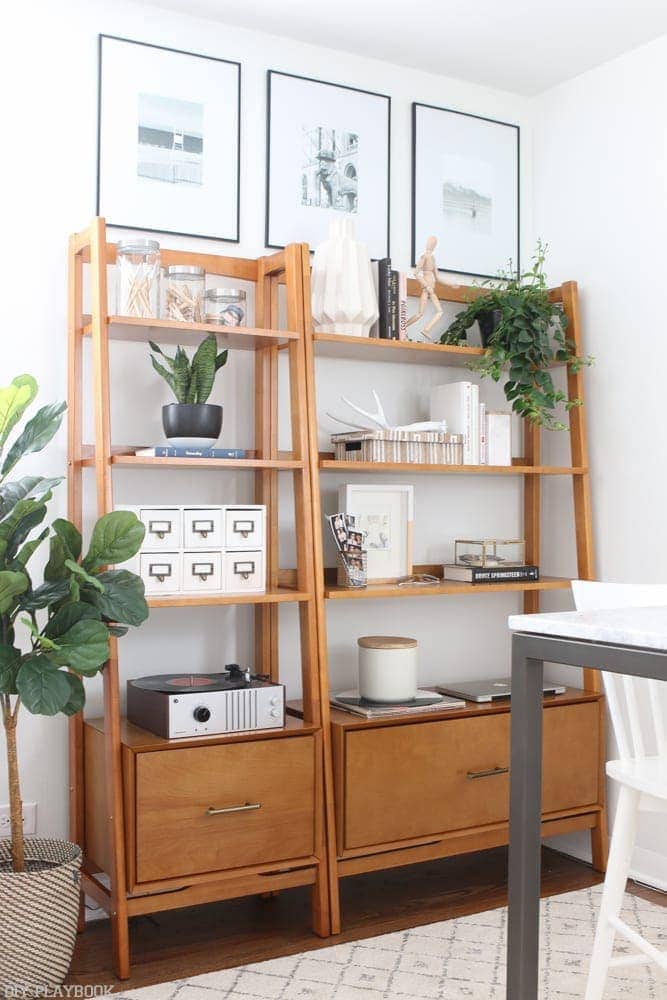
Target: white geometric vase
x=344, y=299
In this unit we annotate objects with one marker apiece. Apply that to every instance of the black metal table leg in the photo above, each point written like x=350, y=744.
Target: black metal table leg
x=525, y=824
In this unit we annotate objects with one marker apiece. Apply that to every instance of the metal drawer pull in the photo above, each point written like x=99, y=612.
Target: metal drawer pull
x=159, y=570
x=243, y=528
x=159, y=528
x=202, y=570
x=244, y=569
x=490, y=773
x=234, y=809
x=203, y=528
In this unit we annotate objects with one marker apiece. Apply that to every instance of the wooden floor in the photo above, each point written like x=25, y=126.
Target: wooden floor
x=220, y=935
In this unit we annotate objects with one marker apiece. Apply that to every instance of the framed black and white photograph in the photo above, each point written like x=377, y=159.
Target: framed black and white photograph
x=327, y=156
x=465, y=190
x=168, y=140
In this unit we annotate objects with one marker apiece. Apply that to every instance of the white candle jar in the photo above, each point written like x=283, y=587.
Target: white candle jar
x=387, y=668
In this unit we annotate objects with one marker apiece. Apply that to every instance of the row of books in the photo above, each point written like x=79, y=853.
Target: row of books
x=392, y=302
x=487, y=434
x=415, y=447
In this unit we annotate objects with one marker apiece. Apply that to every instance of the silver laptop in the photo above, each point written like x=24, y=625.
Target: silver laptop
x=492, y=690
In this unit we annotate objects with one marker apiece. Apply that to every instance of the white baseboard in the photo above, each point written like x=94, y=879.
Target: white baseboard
x=648, y=867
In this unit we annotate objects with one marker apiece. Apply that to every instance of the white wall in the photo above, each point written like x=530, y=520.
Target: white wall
x=600, y=201
x=49, y=123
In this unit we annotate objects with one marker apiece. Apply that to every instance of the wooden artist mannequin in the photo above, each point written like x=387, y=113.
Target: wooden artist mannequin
x=426, y=273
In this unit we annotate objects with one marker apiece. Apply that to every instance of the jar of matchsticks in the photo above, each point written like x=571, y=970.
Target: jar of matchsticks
x=184, y=293
x=138, y=265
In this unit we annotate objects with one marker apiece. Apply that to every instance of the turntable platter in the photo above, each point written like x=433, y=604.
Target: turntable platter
x=188, y=683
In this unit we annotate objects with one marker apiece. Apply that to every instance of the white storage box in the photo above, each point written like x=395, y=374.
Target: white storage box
x=202, y=572
x=202, y=527
x=161, y=572
x=244, y=572
x=244, y=527
x=163, y=528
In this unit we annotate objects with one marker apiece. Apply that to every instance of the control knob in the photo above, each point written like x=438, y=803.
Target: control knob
x=202, y=714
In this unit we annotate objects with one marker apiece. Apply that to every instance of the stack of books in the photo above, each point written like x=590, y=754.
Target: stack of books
x=487, y=434
x=426, y=701
x=170, y=451
x=418, y=447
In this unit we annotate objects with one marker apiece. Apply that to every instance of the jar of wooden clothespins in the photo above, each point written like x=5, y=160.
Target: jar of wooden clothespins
x=138, y=265
x=184, y=293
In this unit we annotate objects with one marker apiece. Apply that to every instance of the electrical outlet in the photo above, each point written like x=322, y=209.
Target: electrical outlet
x=29, y=819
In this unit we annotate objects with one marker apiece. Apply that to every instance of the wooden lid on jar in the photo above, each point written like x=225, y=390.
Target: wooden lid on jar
x=386, y=642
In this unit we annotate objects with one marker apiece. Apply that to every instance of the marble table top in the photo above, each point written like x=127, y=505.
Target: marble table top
x=640, y=627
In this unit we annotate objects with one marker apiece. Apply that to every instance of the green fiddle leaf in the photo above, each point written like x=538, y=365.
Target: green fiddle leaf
x=30, y=487
x=116, y=537
x=11, y=585
x=16, y=526
x=45, y=595
x=70, y=536
x=35, y=435
x=10, y=661
x=43, y=688
x=86, y=577
x=84, y=647
x=14, y=401
x=123, y=598
x=69, y=615
x=25, y=553
x=77, y=696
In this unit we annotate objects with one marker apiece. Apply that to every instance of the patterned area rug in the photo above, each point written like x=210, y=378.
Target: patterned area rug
x=461, y=959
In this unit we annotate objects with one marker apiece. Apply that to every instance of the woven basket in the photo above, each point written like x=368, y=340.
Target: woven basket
x=38, y=916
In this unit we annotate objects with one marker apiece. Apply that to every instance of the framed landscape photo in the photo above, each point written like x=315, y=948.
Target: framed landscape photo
x=386, y=514
x=465, y=190
x=327, y=155
x=168, y=155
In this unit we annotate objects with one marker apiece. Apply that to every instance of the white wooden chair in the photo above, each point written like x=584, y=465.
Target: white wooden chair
x=641, y=773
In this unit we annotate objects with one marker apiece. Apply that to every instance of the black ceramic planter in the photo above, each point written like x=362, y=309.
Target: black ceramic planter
x=488, y=323
x=192, y=425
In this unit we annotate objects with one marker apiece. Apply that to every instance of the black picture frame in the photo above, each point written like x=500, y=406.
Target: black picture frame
x=236, y=237
x=275, y=245
x=516, y=256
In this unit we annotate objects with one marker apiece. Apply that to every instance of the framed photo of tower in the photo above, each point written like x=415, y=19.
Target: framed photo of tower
x=327, y=155
x=465, y=190
x=168, y=155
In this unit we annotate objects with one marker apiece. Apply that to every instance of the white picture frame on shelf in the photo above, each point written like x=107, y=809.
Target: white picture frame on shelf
x=386, y=513
x=168, y=152
x=327, y=157
x=465, y=190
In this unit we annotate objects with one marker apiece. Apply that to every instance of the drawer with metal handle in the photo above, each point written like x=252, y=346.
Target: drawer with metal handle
x=244, y=527
x=244, y=572
x=161, y=572
x=212, y=808
x=202, y=572
x=163, y=528
x=202, y=527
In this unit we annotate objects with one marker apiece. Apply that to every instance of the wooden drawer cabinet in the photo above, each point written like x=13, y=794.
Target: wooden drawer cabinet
x=410, y=781
x=174, y=798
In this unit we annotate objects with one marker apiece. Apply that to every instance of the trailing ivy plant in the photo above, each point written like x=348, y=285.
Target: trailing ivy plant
x=55, y=624
x=190, y=381
x=529, y=335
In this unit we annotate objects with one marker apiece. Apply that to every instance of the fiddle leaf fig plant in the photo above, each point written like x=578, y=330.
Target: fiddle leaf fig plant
x=54, y=626
x=191, y=381
x=528, y=338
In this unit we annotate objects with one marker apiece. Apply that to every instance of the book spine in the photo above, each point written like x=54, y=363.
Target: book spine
x=468, y=456
x=171, y=452
x=402, y=305
x=483, y=456
x=394, y=322
x=384, y=297
x=496, y=573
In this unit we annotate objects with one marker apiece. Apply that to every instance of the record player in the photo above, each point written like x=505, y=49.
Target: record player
x=182, y=705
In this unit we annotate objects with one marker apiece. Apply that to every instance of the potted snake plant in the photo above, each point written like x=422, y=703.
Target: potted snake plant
x=191, y=422
x=55, y=625
x=524, y=333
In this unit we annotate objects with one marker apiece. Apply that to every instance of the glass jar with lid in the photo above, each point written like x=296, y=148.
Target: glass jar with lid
x=138, y=272
x=226, y=306
x=184, y=292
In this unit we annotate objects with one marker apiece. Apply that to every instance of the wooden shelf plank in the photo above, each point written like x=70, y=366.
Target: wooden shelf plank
x=340, y=345
x=451, y=587
x=331, y=465
x=124, y=456
x=168, y=331
x=278, y=595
